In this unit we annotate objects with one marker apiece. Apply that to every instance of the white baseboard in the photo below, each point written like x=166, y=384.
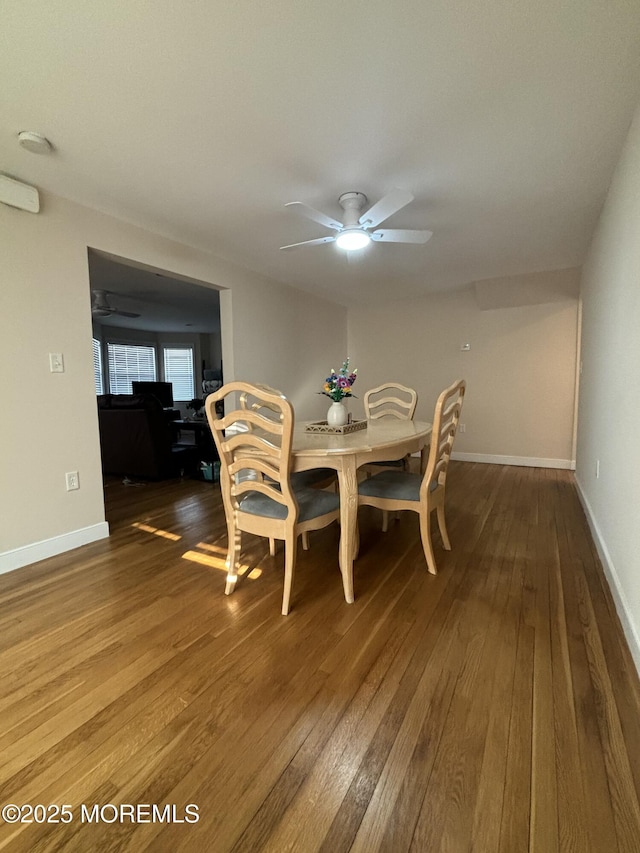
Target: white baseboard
x=28, y=554
x=620, y=600
x=527, y=461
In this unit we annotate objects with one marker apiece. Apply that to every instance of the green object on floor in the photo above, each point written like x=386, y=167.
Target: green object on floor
x=210, y=471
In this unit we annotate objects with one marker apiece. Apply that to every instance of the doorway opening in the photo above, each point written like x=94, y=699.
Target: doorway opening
x=157, y=354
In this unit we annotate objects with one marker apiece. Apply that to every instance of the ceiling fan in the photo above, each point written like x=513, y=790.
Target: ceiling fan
x=100, y=306
x=355, y=232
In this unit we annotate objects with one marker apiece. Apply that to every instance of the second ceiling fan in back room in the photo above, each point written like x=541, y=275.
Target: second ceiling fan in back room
x=355, y=232
x=101, y=307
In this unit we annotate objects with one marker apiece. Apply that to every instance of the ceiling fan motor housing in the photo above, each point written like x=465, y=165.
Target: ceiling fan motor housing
x=352, y=203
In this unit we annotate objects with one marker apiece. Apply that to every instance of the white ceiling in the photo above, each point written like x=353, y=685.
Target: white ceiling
x=505, y=118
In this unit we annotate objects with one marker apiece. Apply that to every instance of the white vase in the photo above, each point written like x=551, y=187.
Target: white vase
x=337, y=415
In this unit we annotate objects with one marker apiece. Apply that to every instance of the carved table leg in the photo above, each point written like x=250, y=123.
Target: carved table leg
x=348, y=484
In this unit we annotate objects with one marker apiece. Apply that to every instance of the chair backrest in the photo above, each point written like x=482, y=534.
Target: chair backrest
x=249, y=439
x=445, y=425
x=250, y=402
x=390, y=400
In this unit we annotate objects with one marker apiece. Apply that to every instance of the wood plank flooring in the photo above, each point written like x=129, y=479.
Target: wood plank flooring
x=493, y=707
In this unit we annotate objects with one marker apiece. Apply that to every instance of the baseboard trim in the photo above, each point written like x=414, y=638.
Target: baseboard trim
x=619, y=598
x=527, y=461
x=28, y=554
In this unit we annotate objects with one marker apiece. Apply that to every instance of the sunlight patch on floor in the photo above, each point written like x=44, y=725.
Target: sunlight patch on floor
x=220, y=563
x=156, y=531
x=253, y=574
x=205, y=560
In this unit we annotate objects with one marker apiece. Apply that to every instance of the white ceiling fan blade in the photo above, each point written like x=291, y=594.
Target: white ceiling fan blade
x=399, y=235
x=385, y=208
x=315, y=215
x=310, y=242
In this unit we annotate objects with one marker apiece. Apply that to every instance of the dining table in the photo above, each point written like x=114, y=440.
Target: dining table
x=384, y=439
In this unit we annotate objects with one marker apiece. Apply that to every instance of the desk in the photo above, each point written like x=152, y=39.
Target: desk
x=383, y=439
x=203, y=440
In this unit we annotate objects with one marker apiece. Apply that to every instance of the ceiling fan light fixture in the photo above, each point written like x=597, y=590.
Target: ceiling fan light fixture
x=353, y=239
x=354, y=233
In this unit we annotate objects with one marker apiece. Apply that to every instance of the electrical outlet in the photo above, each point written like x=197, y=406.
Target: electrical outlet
x=462, y=427
x=597, y=468
x=73, y=481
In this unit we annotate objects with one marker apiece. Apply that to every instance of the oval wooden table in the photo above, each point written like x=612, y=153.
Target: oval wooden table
x=383, y=439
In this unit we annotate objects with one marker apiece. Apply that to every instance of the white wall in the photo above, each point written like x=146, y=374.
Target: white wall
x=301, y=338
x=49, y=423
x=211, y=351
x=520, y=369
x=609, y=409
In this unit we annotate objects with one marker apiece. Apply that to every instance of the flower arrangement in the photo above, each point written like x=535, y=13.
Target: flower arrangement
x=338, y=385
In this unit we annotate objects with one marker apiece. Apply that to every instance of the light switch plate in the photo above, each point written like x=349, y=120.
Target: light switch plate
x=56, y=362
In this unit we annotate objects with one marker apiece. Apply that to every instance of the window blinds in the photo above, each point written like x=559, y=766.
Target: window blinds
x=97, y=366
x=128, y=362
x=178, y=369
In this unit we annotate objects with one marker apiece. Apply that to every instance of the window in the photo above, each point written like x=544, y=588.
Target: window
x=178, y=369
x=128, y=362
x=97, y=366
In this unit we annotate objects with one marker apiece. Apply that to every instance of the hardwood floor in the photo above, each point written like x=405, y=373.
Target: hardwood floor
x=493, y=707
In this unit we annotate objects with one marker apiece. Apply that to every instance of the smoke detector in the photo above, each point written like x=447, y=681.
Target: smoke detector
x=34, y=142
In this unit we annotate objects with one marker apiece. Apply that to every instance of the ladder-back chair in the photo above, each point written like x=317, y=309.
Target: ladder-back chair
x=390, y=400
x=400, y=490
x=264, y=504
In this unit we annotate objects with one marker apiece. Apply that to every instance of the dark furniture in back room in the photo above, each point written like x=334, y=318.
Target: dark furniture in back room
x=195, y=433
x=136, y=439
x=162, y=390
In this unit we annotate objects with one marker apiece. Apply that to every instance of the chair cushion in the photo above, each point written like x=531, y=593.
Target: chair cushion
x=395, y=485
x=311, y=502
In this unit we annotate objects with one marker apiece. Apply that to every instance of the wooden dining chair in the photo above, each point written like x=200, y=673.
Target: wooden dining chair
x=390, y=400
x=401, y=490
x=318, y=478
x=314, y=478
x=266, y=505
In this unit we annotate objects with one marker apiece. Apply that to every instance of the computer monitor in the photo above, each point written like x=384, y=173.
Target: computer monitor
x=162, y=390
